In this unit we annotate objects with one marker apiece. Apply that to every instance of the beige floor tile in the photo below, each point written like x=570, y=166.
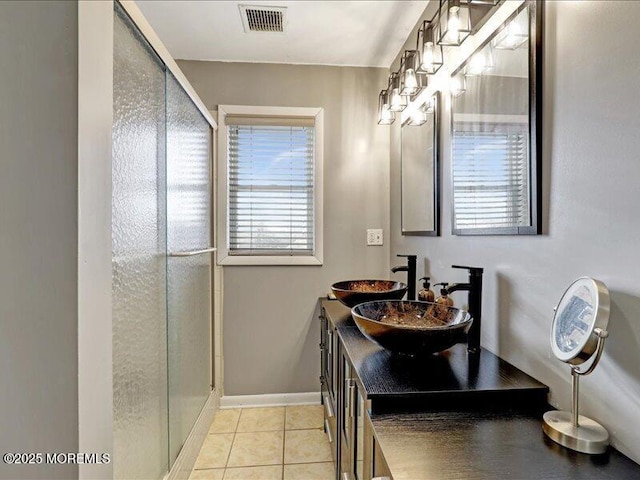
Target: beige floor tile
x=310, y=471
x=306, y=446
x=271, y=472
x=225, y=421
x=304, y=416
x=261, y=419
x=256, y=448
x=215, y=451
x=208, y=474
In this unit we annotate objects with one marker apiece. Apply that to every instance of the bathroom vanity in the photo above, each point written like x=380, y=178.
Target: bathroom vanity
x=449, y=416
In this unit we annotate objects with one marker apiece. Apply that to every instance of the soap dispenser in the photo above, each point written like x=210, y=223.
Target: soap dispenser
x=444, y=299
x=426, y=294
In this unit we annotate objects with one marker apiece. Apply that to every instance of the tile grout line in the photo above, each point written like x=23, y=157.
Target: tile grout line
x=233, y=440
x=284, y=443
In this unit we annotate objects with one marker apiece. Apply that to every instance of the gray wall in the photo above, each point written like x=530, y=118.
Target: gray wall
x=38, y=233
x=270, y=331
x=591, y=193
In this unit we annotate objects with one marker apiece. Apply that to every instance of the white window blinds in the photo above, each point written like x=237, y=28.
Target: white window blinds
x=490, y=177
x=270, y=186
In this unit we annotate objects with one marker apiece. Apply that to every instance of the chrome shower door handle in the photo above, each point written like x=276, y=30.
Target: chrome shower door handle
x=191, y=253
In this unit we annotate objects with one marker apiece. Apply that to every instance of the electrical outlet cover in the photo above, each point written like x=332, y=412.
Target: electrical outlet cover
x=374, y=236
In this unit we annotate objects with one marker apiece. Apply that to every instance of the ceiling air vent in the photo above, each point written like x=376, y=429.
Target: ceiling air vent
x=260, y=18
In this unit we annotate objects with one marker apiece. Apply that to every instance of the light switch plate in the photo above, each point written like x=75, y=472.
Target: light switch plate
x=374, y=236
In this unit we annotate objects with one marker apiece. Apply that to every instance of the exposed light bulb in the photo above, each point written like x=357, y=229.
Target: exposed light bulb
x=418, y=117
x=396, y=103
x=427, y=56
x=386, y=115
x=477, y=65
x=453, y=24
x=395, y=98
x=410, y=81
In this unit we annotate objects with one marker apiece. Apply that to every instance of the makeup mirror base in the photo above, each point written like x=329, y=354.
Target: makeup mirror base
x=587, y=437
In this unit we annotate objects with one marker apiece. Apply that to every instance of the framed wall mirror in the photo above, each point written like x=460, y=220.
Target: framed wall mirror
x=496, y=131
x=419, y=170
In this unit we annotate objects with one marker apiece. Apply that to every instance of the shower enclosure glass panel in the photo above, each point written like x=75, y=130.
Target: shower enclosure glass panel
x=188, y=273
x=139, y=257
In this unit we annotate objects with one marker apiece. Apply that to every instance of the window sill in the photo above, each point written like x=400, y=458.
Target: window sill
x=249, y=260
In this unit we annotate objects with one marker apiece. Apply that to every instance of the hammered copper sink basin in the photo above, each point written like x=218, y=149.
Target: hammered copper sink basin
x=353, y=292
x=409, y=327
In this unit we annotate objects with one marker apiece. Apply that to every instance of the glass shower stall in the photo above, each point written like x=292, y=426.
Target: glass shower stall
x=161, y=258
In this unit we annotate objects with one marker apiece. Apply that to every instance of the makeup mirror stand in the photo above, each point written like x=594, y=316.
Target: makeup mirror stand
x=577, y=326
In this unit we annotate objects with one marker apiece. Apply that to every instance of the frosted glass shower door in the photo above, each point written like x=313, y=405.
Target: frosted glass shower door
x=139, y=257
x=189, y=196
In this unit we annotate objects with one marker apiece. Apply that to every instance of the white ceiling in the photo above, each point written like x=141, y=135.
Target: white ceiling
x=359, y=33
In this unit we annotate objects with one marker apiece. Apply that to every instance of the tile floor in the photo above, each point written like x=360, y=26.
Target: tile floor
x=270, y=443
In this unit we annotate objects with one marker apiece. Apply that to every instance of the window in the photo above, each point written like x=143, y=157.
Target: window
x=270, y=178
x=490, y=176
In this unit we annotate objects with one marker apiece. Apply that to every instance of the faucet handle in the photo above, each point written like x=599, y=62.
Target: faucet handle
x=474, y=271
x=407, y=256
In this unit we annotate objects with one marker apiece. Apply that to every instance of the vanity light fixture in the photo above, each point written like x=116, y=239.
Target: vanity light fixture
x=482, y=62
x=429, y=51
x=512, y=37
x=419, y=116
x=430, y=105
x=458, y=85
x=411, y=81
x=385, y=116
x=454, y=22
x=397, y=102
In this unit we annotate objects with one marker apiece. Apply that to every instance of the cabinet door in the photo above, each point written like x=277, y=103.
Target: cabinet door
x=330, y=367
x=380, y=469
x=323, y=351
x=353, y=448
x=347, y=387
x=357, y=451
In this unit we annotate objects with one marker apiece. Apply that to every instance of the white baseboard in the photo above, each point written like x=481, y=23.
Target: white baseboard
x=270, y=400
x=183, y=465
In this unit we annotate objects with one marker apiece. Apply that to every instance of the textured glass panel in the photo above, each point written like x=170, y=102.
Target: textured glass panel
x=189, y=278
x=139, y=258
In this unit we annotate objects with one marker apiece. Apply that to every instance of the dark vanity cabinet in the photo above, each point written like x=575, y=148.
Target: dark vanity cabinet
x=329, y=380
x=346, y=421
x=395, y=418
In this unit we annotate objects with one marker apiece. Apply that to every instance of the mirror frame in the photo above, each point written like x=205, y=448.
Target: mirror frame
x=536, y=15
x=436, y=175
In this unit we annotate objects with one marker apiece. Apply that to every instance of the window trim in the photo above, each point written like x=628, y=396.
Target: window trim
x=223, y=248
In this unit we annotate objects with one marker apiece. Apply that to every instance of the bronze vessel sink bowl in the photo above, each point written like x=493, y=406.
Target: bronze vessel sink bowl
x=353, y=292
x=413, y=328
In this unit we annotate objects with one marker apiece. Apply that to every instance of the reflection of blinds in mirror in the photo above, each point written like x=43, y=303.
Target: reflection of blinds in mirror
x=490, y=177
x=271, y=179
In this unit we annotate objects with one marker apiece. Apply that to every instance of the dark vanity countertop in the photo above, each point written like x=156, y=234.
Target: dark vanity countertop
x=453, y=379
x=486, y=446
x=339, y=315
x=473, y=421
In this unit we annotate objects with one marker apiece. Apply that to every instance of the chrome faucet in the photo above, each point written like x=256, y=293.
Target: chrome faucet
x=474, y=287
x=410, y=268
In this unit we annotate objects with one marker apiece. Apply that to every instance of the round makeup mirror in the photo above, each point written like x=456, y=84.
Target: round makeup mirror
x=578, y=334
